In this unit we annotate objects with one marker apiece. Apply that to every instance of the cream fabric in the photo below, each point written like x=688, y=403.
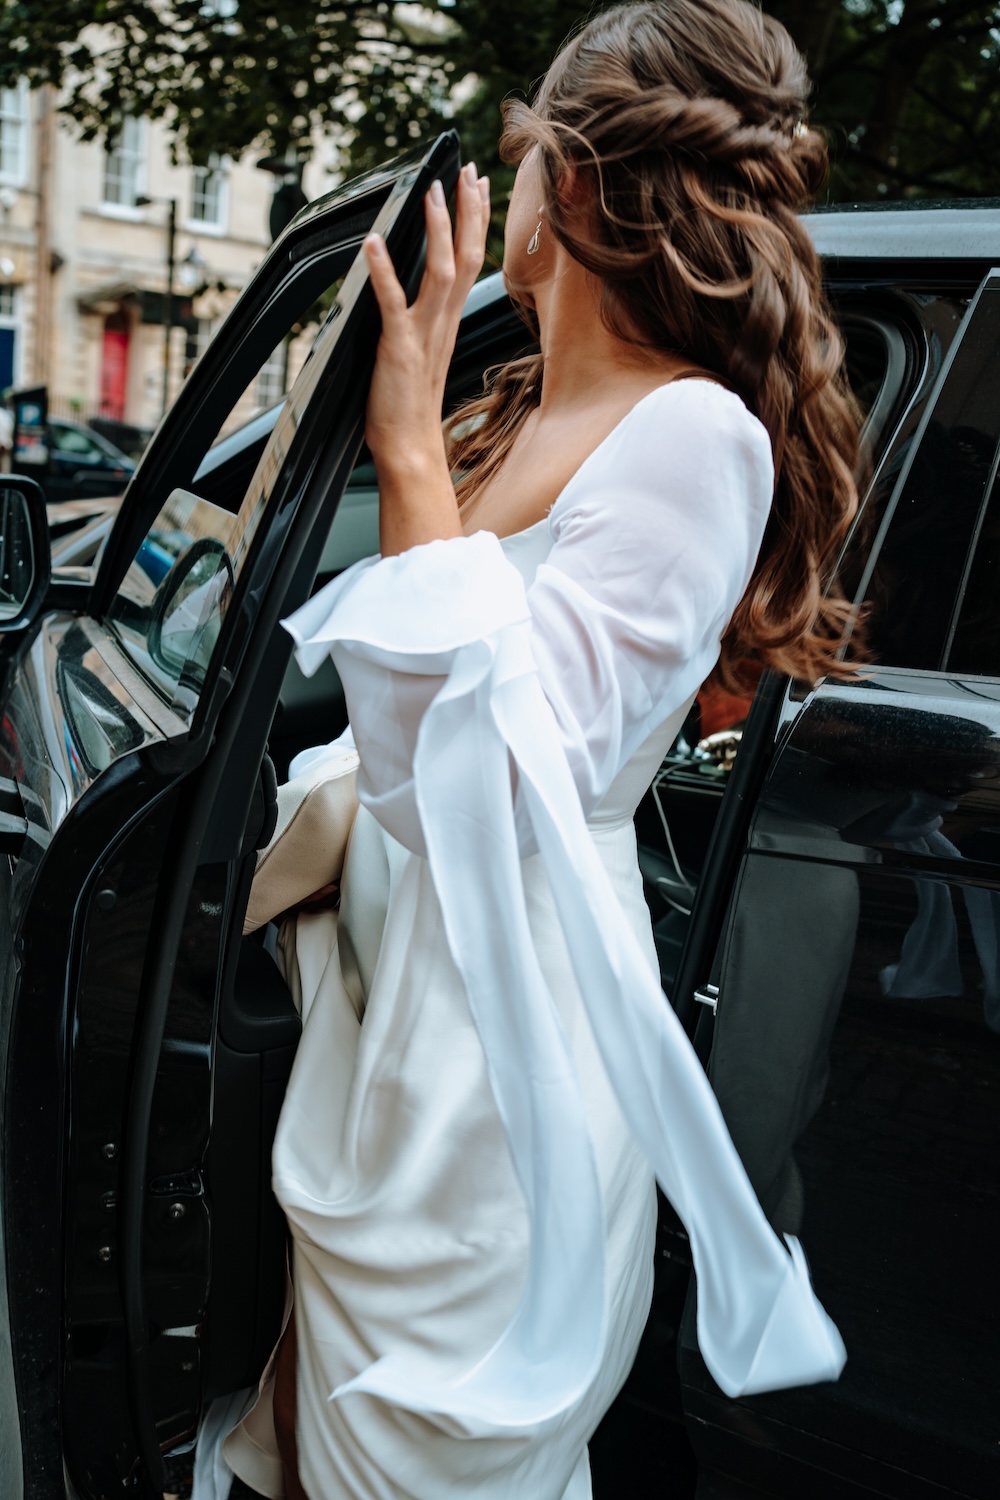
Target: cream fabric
x=306, y=851
x=465, y=1158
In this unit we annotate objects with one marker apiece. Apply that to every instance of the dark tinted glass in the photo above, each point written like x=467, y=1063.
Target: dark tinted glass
x=922, y=565
x=867, y=360
x=975, y=646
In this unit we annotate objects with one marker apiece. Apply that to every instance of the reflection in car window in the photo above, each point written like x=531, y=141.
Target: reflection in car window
x=17, y=554
x=974, y=646
x=170, y=607
x=171, y=603
x=867, y=360
x=98, y=729
x=922, y=563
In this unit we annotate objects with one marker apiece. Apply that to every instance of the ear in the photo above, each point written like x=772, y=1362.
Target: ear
x=570, y=188
x=575, y=191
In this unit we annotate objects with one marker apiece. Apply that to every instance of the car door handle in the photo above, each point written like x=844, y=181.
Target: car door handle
x=708, y=995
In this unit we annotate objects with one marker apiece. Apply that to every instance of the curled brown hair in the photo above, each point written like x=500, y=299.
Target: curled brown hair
x=687, y=118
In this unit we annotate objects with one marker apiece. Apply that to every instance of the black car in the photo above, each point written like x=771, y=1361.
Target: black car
x=826, y=904
x=82, y=462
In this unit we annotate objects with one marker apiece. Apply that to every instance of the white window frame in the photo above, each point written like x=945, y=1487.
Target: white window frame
x=134, y=152
x=217, y=169
x=15, y=110
x=207, y=329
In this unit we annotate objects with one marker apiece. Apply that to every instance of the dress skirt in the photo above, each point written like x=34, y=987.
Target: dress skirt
x=407, y=1218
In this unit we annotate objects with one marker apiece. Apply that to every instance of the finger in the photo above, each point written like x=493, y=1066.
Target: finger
x=388, y=293
x=439, y=273
x=470, y=229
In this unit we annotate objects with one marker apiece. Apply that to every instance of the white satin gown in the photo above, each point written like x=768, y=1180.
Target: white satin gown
x=489, y=1075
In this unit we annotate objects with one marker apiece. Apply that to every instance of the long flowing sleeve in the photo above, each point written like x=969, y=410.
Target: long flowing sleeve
x=491, y=718
x=653, y=544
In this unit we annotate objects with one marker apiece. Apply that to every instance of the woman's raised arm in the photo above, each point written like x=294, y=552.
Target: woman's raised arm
x=403, y=427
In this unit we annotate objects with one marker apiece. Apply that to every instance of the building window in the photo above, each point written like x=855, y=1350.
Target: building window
x=271, y=379
x=208, y=195
x=14, y=134
x=124, y=165
x=198, y=337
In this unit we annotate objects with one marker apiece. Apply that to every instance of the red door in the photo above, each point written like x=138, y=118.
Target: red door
x=114, y=369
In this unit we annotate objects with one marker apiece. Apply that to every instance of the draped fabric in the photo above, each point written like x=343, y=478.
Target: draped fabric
x=492, y=714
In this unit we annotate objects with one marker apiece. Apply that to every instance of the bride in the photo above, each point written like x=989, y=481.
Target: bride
x=489, y=1077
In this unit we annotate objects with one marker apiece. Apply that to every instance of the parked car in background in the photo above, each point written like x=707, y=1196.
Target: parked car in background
x=825, y=901
x=82, y=463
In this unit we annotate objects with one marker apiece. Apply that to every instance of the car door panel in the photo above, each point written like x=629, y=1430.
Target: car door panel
x=857, y=1061
x=71, y=807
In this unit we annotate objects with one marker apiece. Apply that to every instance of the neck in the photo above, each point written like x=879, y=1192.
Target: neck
x=582, y=356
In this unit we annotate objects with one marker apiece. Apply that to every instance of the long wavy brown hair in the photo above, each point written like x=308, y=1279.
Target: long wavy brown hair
x=687, y=118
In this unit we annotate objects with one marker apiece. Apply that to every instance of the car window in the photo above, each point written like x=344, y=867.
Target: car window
x=867, y=359
x=922, y=567
x=974, y=646
x=72, y=441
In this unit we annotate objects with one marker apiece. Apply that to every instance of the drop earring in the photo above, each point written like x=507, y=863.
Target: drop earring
x=533, y=242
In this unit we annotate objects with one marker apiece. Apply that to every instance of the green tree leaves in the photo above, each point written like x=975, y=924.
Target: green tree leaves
x=907, y=90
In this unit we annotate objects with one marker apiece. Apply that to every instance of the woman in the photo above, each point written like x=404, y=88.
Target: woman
x=488, y=1074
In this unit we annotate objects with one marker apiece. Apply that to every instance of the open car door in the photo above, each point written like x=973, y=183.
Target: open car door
x=146, y=1044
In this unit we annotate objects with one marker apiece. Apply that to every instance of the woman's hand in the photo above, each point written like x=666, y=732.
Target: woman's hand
x=403, y=426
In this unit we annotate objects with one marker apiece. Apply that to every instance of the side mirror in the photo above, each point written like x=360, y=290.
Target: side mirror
x=25, y=560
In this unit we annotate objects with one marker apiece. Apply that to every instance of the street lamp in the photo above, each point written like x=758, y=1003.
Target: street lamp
x=168, y=308
x=191, y=269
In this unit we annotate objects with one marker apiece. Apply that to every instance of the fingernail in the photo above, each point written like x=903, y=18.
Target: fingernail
x=469, y=173
x=374, y=244
x=437, y=194
x=484, y=191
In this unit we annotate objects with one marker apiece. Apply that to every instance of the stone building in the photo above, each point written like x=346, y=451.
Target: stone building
x=84, y=240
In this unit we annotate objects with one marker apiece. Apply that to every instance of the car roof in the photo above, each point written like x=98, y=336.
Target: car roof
x=961, y=229
x=917, y=229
